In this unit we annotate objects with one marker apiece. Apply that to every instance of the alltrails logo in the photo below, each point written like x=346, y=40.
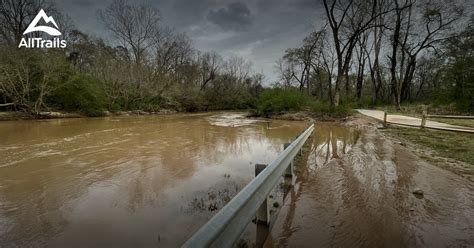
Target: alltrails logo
x=40, y=42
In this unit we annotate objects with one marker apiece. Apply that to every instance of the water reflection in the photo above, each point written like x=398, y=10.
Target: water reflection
x=329, y=141
x=129, y=181
x=359, y=193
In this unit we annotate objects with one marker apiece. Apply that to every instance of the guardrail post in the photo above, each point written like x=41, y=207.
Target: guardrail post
x=263, y=212
x=227, y=225
x=289, y=169
x=423, y=119
x=385, y=118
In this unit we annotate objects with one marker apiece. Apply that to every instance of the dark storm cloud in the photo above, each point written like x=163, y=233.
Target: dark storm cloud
x=183, y=13
x=258, y=30
x=234, y=16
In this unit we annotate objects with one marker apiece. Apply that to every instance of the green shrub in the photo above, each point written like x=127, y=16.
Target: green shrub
x=278, y=100
x=320, y=107
x=324, y=108
x=81, y=94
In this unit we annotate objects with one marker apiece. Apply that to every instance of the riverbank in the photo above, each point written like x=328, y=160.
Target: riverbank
x=14, y=116
x=288, y=116
x=306, y=116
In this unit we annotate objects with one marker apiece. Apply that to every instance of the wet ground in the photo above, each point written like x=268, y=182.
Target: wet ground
x=363, y=196
x=147, y=181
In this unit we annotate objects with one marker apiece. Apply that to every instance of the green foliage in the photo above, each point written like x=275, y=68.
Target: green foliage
x=278, y=100
x=458, y=76
x=29, y=77
x=80, y=94
x=321, y=108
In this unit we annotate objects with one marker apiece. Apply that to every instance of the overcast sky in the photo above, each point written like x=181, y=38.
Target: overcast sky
x=258, y=30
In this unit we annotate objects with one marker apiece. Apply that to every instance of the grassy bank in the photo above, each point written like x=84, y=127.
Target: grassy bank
x=14, y=116
x=454, y=145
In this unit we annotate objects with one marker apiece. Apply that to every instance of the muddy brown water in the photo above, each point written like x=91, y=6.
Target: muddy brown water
x=126, y=181
x=361, y=195
x=153, y=181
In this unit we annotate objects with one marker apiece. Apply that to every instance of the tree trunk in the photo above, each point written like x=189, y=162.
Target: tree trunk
x=405, y=90
x=393, y=59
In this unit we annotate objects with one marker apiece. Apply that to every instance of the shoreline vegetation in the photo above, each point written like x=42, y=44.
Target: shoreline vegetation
x=148, y=66
x=287, y=115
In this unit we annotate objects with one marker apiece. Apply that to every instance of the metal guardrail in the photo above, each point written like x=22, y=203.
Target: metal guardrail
x=227, y=225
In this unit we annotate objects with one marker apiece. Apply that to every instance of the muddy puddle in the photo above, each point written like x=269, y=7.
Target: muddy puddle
x=126, y=181
x=368, y=192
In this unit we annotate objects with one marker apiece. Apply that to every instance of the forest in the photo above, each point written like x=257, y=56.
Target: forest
x=360, y=54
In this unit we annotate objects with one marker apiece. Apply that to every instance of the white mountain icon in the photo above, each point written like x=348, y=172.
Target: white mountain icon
x=33, y=28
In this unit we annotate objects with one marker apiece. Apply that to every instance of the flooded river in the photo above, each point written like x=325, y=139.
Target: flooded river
x=126, y=181
x=152, y=181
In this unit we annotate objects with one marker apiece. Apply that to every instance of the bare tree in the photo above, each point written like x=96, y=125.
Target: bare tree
x=361, y=59
x=135, y=25
x=237, y=68
x=286, y=72
x=171, y=50
x=348, y=20
x=328, y=60
x=209, y=64
x=16, y=15
x=297, y=63
x=373, y=50
x=413, y=35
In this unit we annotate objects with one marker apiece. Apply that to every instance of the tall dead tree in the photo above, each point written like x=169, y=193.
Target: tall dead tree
x=361, y=57
x=209, y=64
x=417, y=27
x=134, y=25
x=348, y=20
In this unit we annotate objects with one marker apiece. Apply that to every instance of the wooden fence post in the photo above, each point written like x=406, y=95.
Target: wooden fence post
x=423, y=119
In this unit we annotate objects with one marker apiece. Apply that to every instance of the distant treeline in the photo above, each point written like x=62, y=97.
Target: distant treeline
x=380, y=52
x=150, y=67
x=367, y=53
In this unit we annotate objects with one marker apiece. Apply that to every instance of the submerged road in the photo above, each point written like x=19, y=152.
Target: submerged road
x=413, y=121
x=364, y=197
